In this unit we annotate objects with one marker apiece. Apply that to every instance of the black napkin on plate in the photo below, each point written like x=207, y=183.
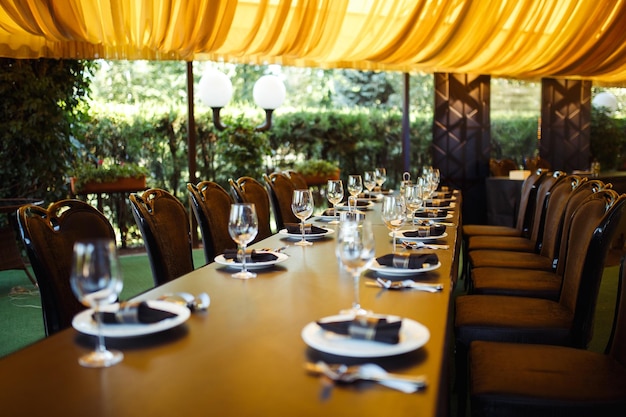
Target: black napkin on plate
x=431, y=213
x=425, y=231
x=378, y=329
x=408, y=261
x=134, y=313
x=251, y=255
x=442, y=194
x=309, y=229
x=437, y=203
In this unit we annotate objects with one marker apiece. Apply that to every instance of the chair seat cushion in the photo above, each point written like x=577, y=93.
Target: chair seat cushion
x=513, y=243
x=511, y=319
x=522, y=379
x=516, y=282
x=489, y=230
x=509, y=259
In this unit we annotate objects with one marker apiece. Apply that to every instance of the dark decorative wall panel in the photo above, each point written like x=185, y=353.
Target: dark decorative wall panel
x=565, y=123
x=461, y=138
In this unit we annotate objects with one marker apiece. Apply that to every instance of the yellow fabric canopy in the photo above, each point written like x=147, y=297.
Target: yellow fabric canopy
x=510, y=38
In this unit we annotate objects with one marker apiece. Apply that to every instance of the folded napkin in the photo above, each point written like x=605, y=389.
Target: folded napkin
x=425, y=231
x=251, y=255
x=379, y=329
x=431, y=213
x=442, y=194
x=408, y=261
x=437, y=203
x=309, y=229
x=134, y=313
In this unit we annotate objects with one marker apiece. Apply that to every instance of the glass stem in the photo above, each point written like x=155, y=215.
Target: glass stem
x=356, y=305
x=100, y=345
x=242, y=255
x=302, y=229
x=393, y=243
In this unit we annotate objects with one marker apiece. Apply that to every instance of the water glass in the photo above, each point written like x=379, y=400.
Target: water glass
x=334, y=193
x=243, y=226
x=302, y=207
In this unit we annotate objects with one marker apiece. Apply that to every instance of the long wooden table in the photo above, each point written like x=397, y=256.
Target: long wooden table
x=245, y=355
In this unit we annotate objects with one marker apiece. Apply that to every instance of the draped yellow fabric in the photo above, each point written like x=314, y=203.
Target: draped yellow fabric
x=511, y=38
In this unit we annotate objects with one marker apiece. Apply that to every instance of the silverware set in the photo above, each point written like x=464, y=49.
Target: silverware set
x=405, y=284
x=421, y=245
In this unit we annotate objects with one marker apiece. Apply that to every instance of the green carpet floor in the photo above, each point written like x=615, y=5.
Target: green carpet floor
x=21, y=321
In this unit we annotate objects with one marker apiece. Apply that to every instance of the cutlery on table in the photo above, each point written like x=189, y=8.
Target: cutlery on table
x=367, y=372
x=405, y=284
x=421, y=245
x=200, y=302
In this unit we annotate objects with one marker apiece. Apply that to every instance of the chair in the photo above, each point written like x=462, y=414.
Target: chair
x=249, y=190
x=566, y=322
x=508, y=379
x=298, y=179
x=49, y=236
x=501, y=167
x=281, y=190
x=211, y=206
x=534, y=164
x=164, y=225
x=532, y=243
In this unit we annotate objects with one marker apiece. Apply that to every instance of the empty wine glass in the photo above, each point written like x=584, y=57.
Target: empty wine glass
x=97, y=281
x=393, y=214
x=243, y=226
x=355, y=185
x=302, y=207
x=381, y=177
x=369, y=181
x=355, y=250
x=413, y=198
x=334, y=193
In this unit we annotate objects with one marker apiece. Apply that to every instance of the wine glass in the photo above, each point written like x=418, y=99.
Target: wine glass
x=413, y=199
x=302, y=207
x=334, y=193
x=96, y=280
x=393, y=214
x=355, y=185
x=381, y=177
x=355, y=250
x=369, y=181
x=243, y=226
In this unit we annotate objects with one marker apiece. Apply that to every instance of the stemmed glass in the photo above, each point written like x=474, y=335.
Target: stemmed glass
x=381, y=177
x=369, y=181
x=334, y=193
x=355, y=186
x=302, y=207
x=243, y=226
x=356, y=250
x=97, y=281
x=393, y=214
x=413, y=198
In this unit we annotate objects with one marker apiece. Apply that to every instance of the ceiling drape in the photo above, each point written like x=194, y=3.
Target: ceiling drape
x=510, y=38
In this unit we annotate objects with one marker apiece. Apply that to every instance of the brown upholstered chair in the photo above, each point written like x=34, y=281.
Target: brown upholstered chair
x=298, y=179
x=281, y=190
x=566, y=322
x=508, y=379
x=501, y=167
x=249, y=190
x=49, y=236
x=536, y=163
x=164, y=225
x=532, y=243
x=211, y=206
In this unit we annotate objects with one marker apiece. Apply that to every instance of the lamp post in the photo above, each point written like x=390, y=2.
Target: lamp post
x=216, y=90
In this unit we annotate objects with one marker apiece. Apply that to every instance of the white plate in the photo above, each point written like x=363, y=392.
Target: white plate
x=325, y=219
x=84, y=323
x=368, y=206
x=220, y=259
x=307, y=236
x=448, y=216
x=400, y=235
x=401, y=272
x=413, y=335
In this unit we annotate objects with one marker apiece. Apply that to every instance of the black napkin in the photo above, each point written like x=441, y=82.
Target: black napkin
x=251, y=256
x=368, y=328
x=442, y=194
x=133, y=313
x=431, y=213
x=437, y=203
x=408, y=261
x=309, y=229
x=425, y=231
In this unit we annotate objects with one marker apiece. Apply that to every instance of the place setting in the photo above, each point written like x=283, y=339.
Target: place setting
x=255, y=259
x=421, y=233
x=404, y=264
x=302, y=207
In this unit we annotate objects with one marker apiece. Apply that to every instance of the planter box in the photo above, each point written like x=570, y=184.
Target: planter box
x=120, y=185
x=321, y=179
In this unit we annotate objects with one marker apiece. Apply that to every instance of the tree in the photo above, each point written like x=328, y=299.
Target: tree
x=41, y=103
x=363, y=88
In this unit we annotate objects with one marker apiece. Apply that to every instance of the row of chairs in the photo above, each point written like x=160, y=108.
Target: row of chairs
x=532, y=292
x=49, y=233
